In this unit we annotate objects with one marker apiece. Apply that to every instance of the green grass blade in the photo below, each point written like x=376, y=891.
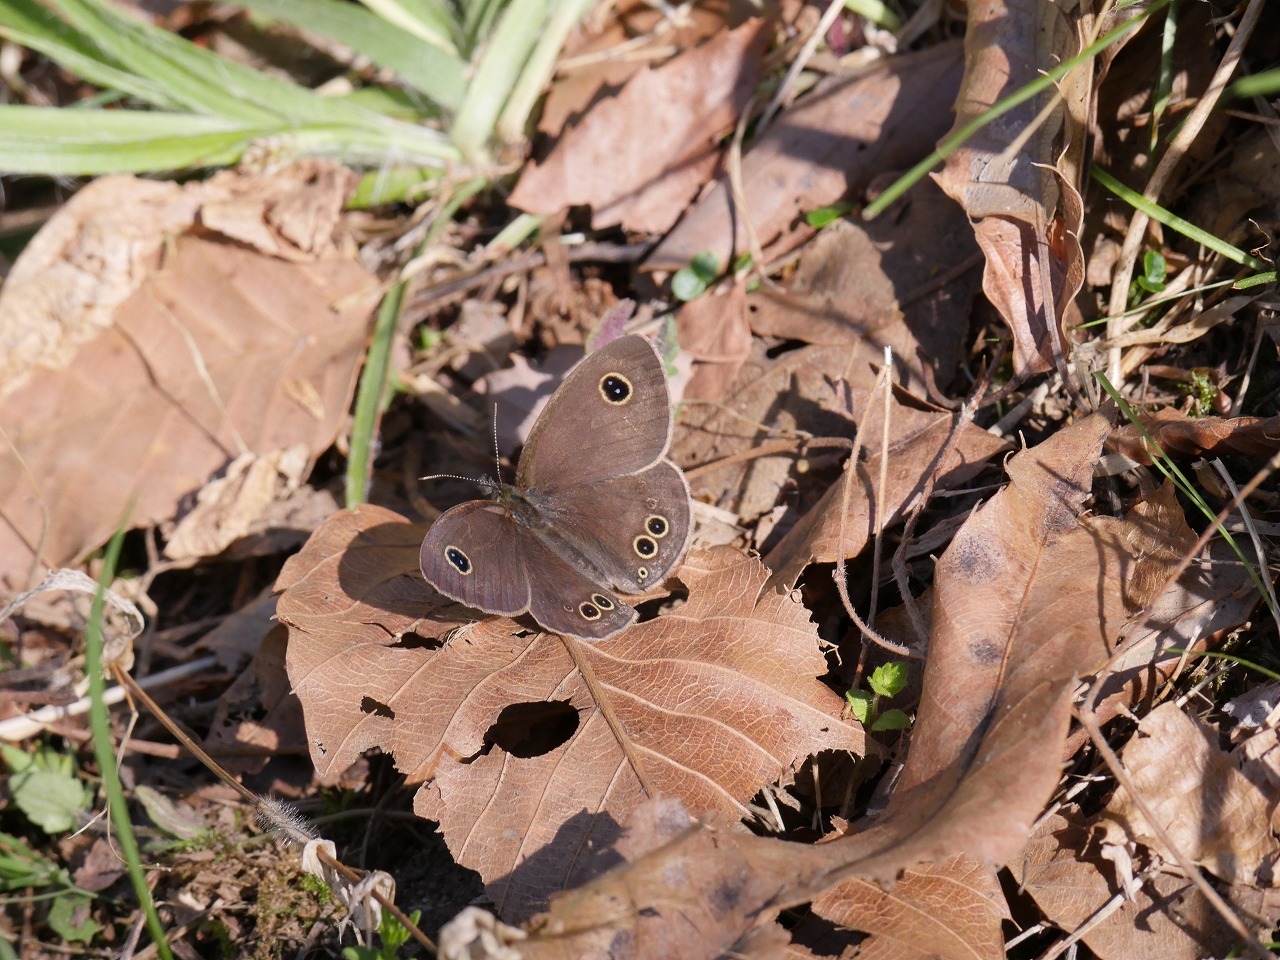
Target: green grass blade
x=431, y=21
x=371, y=392
x=499, y=66
x=537, y=71
x=104, y=750
x=434, y=70
x=48, y=140
x=31, y=25
x=1174, y=222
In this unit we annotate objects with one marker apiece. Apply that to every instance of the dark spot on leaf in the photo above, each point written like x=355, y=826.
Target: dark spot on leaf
x=533, y=729
x=975, y=558
x=725, y=897
x=985, y=652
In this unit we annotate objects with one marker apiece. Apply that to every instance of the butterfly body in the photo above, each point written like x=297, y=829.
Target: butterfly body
x=596, y=508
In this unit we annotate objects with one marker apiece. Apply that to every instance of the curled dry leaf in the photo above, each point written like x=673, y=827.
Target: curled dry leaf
x=640, y=157
x=1166, y=917
x=1022, y=194
x=917, y=440
x=828, y=146
x=532, y=768
x=1213, y=813
x=211, y=350
x=1198, y=437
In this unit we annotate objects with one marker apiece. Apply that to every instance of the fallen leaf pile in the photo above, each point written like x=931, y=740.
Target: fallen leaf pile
x=964, y=659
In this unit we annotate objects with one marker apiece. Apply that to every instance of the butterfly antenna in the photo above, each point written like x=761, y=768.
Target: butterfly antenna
x=497, y=457
x=483, y=481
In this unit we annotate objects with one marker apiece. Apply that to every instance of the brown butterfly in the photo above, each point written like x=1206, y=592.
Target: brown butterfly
x=596, y=506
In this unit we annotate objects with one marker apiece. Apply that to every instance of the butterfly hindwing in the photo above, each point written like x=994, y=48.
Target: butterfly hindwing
x=633, y=529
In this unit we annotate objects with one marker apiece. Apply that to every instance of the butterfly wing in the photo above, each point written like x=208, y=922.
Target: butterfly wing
x=633, y=529
x=610, y=417
x=565, y=600
x=471, y=554
x=478, y=555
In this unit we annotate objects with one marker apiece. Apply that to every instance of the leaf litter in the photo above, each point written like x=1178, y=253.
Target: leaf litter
x=696, y=785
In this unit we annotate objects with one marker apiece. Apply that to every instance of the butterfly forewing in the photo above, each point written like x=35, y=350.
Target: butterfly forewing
x=610, y=417
x=467, y=555
x=633, y=529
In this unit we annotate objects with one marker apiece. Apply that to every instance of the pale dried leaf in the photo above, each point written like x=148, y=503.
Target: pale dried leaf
x=1208, y=808
x=1167, y=920
x=1176, y=433
x=196, y=371
x=950, y=910
x=713, y=331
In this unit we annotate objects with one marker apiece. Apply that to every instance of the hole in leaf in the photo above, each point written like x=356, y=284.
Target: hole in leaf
x=376, y=707
x=532, y=729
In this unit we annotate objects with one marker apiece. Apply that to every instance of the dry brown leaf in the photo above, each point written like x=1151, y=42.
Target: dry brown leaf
x=1211, y=598
x=1168, y=919
x=800, y=391
x=950, y=910
x=531, y=775
x=917, y=439
x=208, y=358
x=828, y=146
x=685, y=891
x=639, y=158
x=899, y=282
x=1209, y=809
x=713, y=331
x=1022, y=195
x=1198, y=437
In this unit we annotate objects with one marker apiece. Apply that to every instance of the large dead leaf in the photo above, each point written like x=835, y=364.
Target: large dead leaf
x=1023, y=194
x=917, y=440
x=1028, y=596
x=829, y=145
x=530, y=775
x=212, y=350
x=640, y=157
x=1209, y=809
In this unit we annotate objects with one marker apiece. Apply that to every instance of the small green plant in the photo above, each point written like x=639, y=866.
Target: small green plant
x=1202, y=391
x=886, y=680
x=392, y=935
x=22, y=868
x=692, y=281
x=1154, y=276
x=44, y=786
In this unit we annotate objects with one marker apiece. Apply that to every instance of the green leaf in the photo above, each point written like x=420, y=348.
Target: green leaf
x=70, y=918
x=888, y=679
x=861, y=703
x=432, y=67
x=706, y=265
x=686, y=285
x=891, y=720
x=52, y=801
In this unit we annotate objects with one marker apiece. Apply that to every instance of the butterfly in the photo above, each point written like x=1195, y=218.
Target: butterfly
x=596, y=508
